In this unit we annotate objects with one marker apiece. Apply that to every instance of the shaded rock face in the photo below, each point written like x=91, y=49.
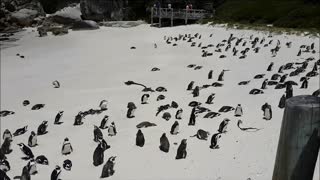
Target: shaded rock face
x=99, y=10
x=24, y=17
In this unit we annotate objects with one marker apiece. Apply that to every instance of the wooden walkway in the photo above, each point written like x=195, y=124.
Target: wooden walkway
x=190, y=14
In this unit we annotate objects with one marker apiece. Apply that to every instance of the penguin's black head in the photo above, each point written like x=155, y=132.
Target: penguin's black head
x=21, y=145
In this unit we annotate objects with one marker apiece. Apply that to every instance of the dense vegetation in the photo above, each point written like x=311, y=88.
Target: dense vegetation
x=280, y=13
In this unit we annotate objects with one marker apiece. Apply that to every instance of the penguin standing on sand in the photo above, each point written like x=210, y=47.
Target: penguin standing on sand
x=108, y=168
x=304, y=84
x=97, y=134
x=196, y=91
x=282, y=102
x=264, y=84
x=7, y=134
x=190, y=86
x=179, y=114
x=299, y=53
x=4, y=166
x=112, y=131
x=131, y=108
x=6, y=146
x=26, y=150
x=58, y=117
x=56, y=173
x=67, y=164
x=238, y=111
x=66, y=147
x=289, y=91
x=78, y=119
x=104, y=121
x=103, y=105
x=98, y=155
x=270, y=66
x=192, y=120
x=32, y=141
x=174, y=128
x=210, y=74
x=223, y=126
x=283, y=78
x=214, y=141
x=267, y=111
x=144, y=98
x=221, y=76
x=32, y=166
x=25, y=173
x=164, y=143
x=140, y=138
x=42, y=129
x=56, y=84
x=210, y=98
x=182, y=150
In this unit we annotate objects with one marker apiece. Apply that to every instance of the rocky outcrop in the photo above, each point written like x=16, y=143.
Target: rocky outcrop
x=24, y=17
x=85, y=25
x=99, y=10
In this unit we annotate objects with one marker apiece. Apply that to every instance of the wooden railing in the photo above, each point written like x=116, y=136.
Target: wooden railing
x=179, y=13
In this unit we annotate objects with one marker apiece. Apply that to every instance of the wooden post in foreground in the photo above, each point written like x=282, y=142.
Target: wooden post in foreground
x=299, y=139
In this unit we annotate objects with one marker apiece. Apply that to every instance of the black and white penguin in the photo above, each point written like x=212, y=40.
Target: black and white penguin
x=104, y=122
x=282, y=102
x=174, y=128
x=289, y=91
x=108, y=168
x=56, y=84
x=190, y=86
x=210, y=98
x=25, y=173
x=20, y=131
x=32, y=166
x=98, y=155
x=220, y=78
x=144, y=98
x=97, y=134
x=283, y=78
x=179, y=114
x=270, y=66
x=164, y=143
x=26, y=150
x=78, y=119
x=25, y=102
x=103, y=105
x=201, y=134
x=256, y=91
x=223, y=126
x=42, y=129
x=32, y=141
x=56, y=173
x=299, y=53
x=267, y=111
x=4, y=166
x=131, y=108
x=42, y=160
x=112, y=131
x=140, y=138
x=264, y=84
x=6, y=146
x=210, y=74
x=66, y=147
x=214, y=141
x=280, y=70
x=304, y=84
x=192, y=120
x=67, y=164
x=196, y=91
x=166, y=116
x=182, y=150
x=58, y=117
x=238, y=111
x=7, y=134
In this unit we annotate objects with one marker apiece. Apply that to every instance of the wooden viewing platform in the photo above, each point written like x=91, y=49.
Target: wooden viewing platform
x=170, y=13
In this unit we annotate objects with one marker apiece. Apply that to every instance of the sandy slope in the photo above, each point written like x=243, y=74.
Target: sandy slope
x=93, y=65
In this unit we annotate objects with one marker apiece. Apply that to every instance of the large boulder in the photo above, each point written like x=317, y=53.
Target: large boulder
x=67, y=16
x=85, y=25
x=24, y=17
x=99, y=10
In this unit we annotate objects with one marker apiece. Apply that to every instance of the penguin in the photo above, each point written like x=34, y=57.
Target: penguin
x=304, y=84
x=104, y=121
x=32, y=141
x=164, y=143
x=67, y=164
x=270, y=66
x=112, y=131
x=7, y=134
x=201, y=134
x=32, y=166
x=182, y=150
x=244, y=82
x=196, y=91
x=226, y=109
x=192, y=120
x=144, y=98
x=4, y=175
x=160, y=97
x=104, y=105
x=140, y=139
x=98, y=155
x=267, y=111
x=210, y=98
x=66, y=147
x=37, y=106
x=216, y=84
x=283, y=78
x=4, y=166
x=78, y=119
x=58, y=117
x=282, y=102
x=256, y=91
x=42, y=160
x=25, y=173
x=289, y=91
x=220, y=78
x=264, y=84
x=174, y=128
x=210, y=74
x=190, y=86
x=212, y=115
x=26, y=150
x=155, y=45
x=108, y=168
x=179, y=114
x=223, y=126
x=166, y=116
x=2, y=155
x=25, y=102
x=97, y=134
x=238, y=111
x=6, y=146
x=42, y=129
x=299, y=53
x=161, y=89
x=214, y=141
x=259, y=76
x=280, y=70
x=56, y=84
x=20, y=131
x=56, y=173
x=131, y=108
